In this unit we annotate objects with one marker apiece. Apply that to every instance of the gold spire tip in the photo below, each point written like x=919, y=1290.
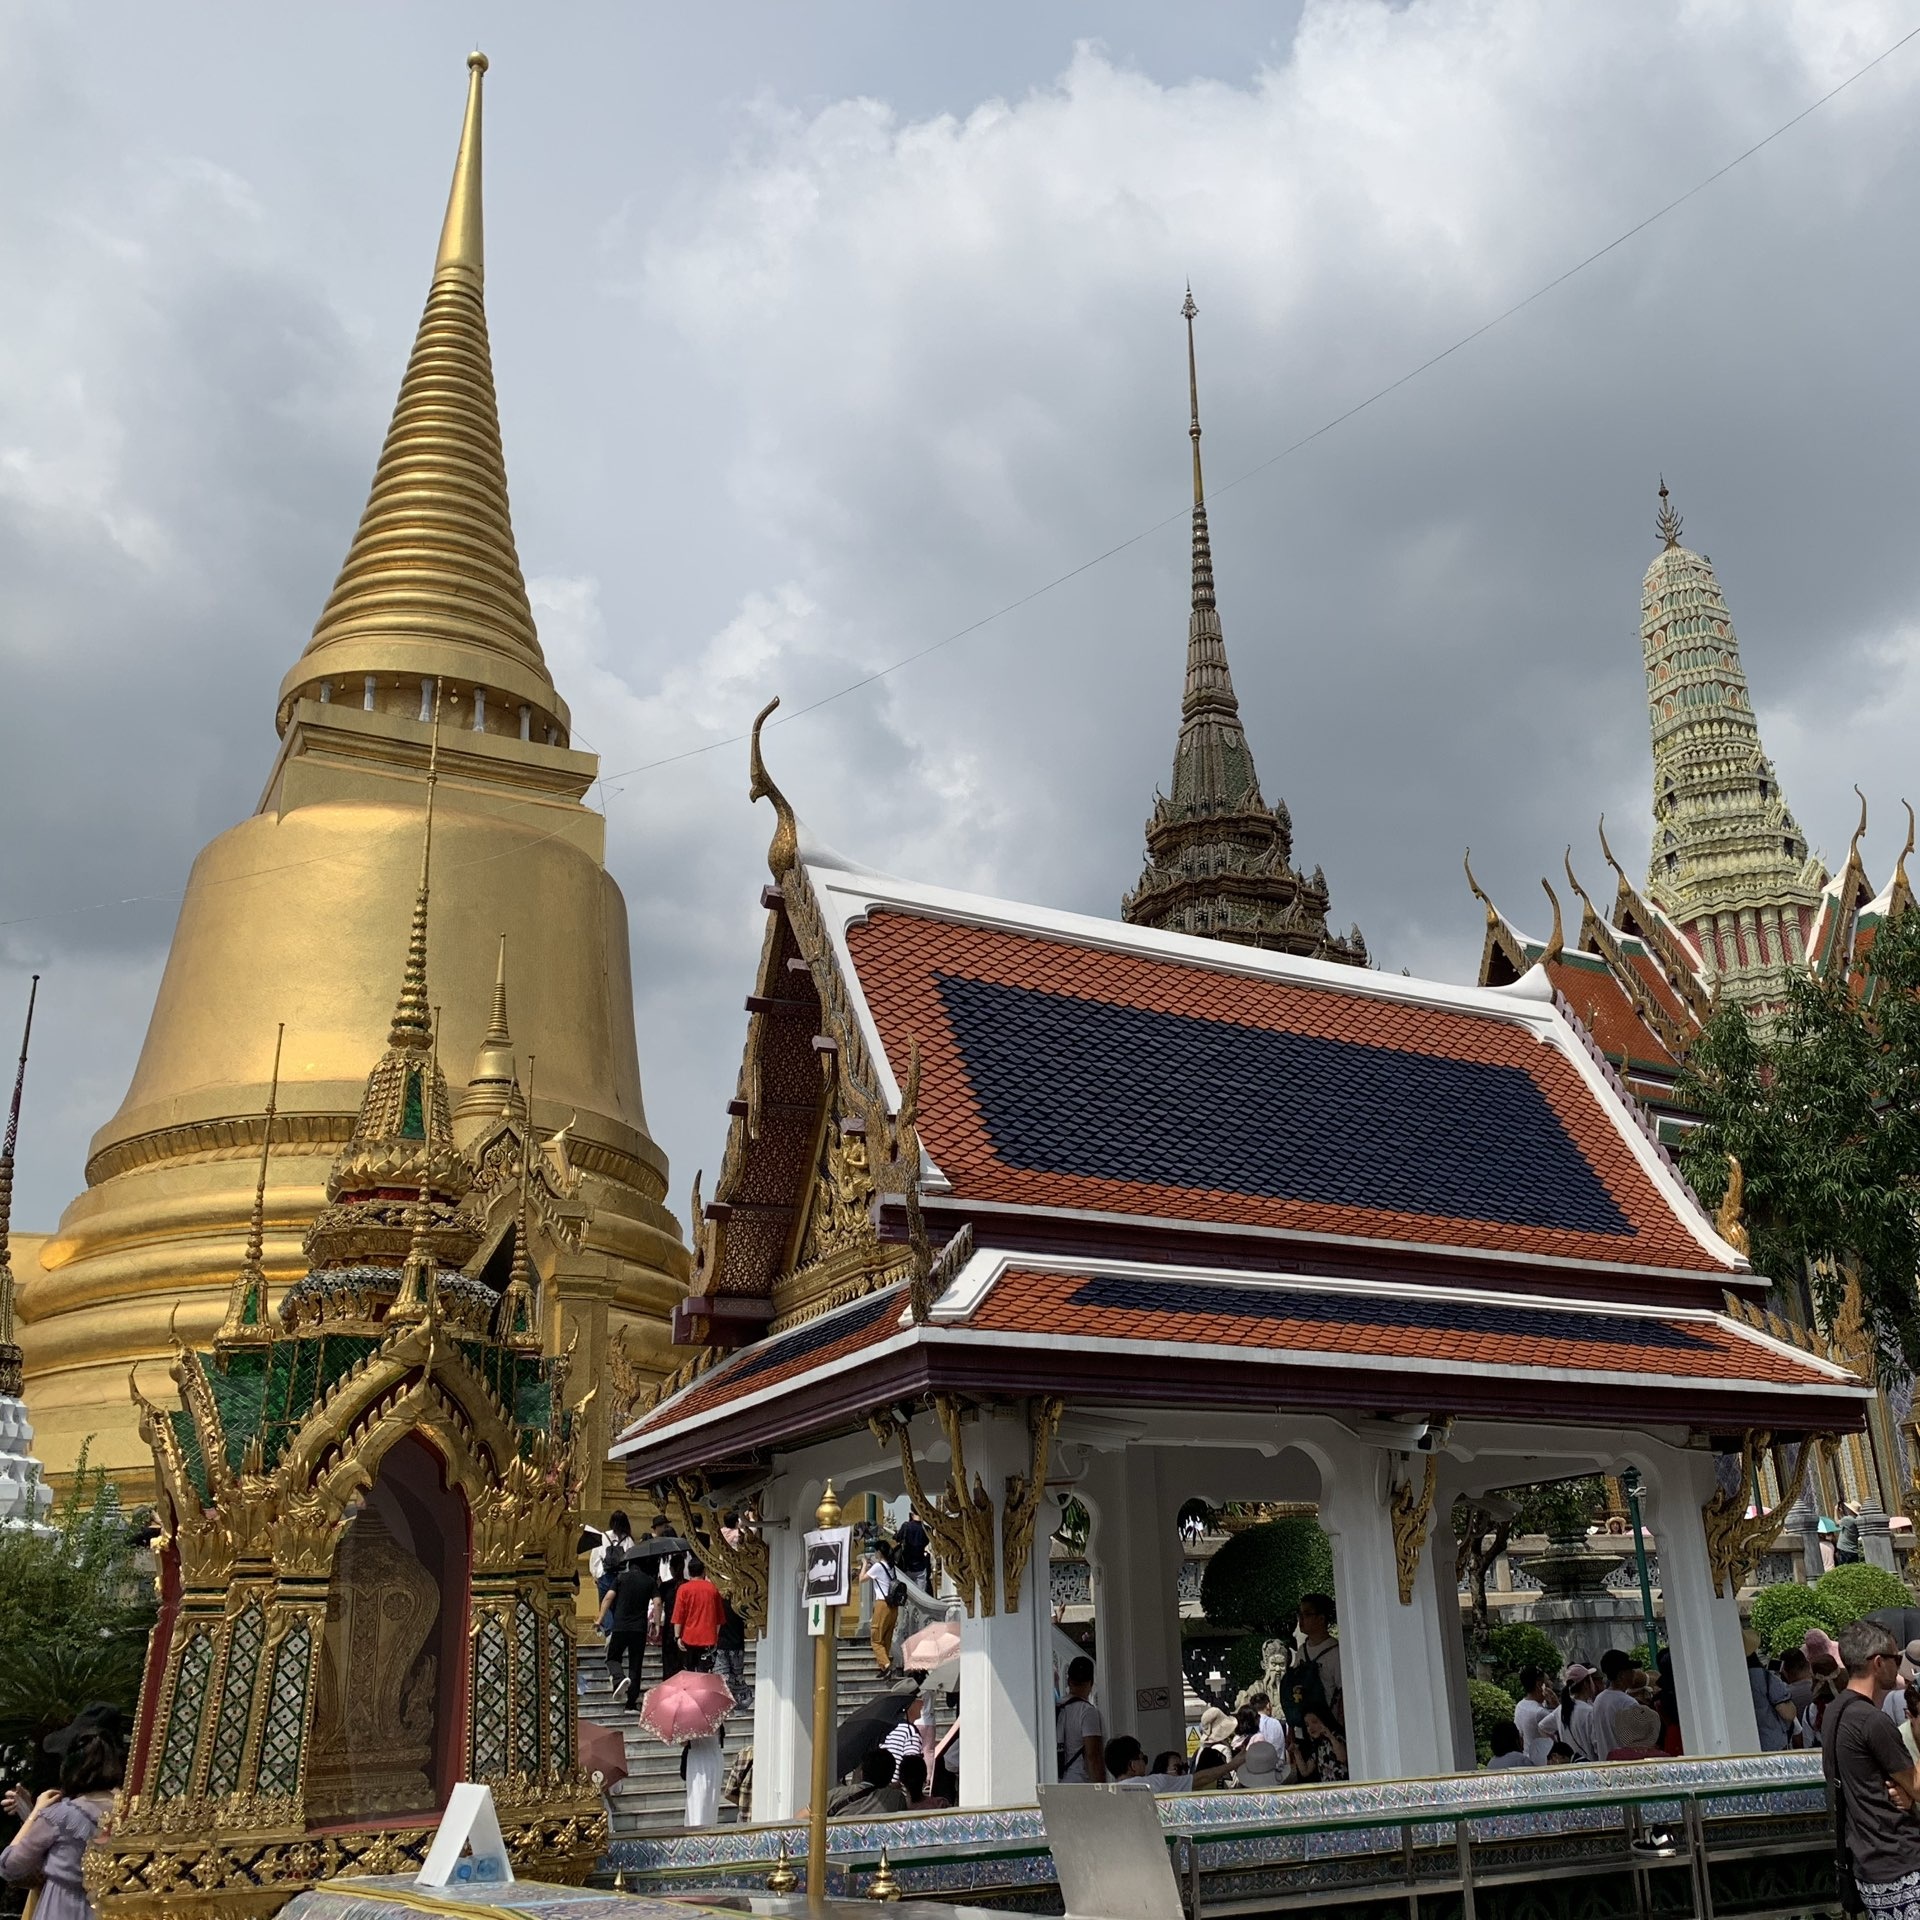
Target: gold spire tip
x=462, y=243
x=1667, y=521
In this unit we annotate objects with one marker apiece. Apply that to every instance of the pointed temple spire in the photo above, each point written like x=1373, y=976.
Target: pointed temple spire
x=431, y=590
x=247, y=1303
x=1217, y=857
x=10, y=1362
x=492, y=1088
x=1730, y=866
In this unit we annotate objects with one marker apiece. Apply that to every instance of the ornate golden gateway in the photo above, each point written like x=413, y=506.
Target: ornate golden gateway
x=368, y=1503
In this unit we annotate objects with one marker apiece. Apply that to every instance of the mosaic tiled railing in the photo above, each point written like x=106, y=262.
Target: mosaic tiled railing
x=1004, y=1850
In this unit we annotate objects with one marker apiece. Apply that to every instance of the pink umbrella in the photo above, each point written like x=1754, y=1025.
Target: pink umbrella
x=931, y=1647
x=688, y=1707
x=603, y=1753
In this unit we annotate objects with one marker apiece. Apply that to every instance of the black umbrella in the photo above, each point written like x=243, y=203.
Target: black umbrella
x=1902, y=1622
x=867, y=1727
x=656, y=1546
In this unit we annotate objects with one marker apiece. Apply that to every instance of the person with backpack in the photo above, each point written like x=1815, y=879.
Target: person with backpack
x=878, y=1573
x=1874, y=1781
x=625, y=1612
x=913, y=1551
x=1080, y=1735
x=1321, y=1652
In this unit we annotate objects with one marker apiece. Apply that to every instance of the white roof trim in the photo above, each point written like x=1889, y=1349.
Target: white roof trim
x=986, y=1268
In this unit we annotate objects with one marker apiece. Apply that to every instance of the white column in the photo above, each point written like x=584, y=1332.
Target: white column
x=1133, y=1558
x=783, y=1675
x=1440, y=1589
x=1006, y=1669
x=1703, y=1628
x=1393, y=1656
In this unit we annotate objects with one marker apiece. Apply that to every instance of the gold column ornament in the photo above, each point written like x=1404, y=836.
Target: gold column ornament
x=739, y=1568
x=247, y=1303
x=827, y=1514
x=1021, y=1509
x=961, y=1518
x=1412, y=1514
x=1735, y=1541
x=1728, y=1222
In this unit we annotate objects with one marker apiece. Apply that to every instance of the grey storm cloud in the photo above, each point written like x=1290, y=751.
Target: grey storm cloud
x=811, y=355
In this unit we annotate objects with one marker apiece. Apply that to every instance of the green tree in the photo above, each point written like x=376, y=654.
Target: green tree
x=75, y=1613
x=1557, y=1508
x=1823, y=1113
x=1255, y=1581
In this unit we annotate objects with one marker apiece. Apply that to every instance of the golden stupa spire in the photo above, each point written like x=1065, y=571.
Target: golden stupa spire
x=520, y=1299
x=247, y=1302
x=1189, y=312
x=412, y=1018
x=431, y=590
x=10, y=1363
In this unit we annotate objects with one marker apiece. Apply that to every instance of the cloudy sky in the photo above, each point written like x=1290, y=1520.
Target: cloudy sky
x=824, y=331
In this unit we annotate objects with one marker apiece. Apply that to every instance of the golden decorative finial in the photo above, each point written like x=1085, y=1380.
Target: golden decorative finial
x=827, y=1514
x=247, y=1298
x=784, y=850
x=1556, y=940
x=1479, y=892
x=1900, y=866
x=418, y=1295
x=520, y=1303
x=1187, y=312
x=411, y=1026
x=1727, y=1222
x=883, y=1885
x=1667, y=522
x=12, y=1378
x=462, y=248
x=1606, y=853
x=1859, y=832
x=497, y=1034
x=783, y=1879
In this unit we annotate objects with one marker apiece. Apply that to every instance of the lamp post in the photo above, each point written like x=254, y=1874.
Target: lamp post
x=1631, y=1481
x=827, y=1515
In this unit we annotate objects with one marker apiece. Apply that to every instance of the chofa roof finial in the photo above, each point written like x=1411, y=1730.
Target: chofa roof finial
x=783, y=851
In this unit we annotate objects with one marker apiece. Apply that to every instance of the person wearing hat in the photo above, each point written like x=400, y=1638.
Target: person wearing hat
x=1217, y=1728
x=1637, y=1731
x=61, y=1823
x=1259, y=1768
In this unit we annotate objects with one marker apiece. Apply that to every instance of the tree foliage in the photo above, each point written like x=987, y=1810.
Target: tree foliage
x=1255, y=1581
x=1521, y=1644
x=1848, y=1592
x=1491, y=1707
x=1560, y=1509
x=75, y=1613
x=1783, y=1613
x=1823, y=1114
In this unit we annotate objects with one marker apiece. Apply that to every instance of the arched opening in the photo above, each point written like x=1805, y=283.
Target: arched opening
x=386, y=1732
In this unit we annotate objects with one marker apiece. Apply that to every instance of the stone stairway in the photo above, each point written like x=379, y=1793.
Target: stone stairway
x=651, y=1799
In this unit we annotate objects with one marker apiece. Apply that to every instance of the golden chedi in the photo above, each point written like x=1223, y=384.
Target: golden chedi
x=292, y=916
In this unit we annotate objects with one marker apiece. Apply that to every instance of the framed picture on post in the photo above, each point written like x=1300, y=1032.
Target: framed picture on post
x=829, y=1552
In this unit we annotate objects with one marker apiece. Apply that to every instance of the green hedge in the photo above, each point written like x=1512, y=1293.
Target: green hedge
x=1851, y=1591
x=1776, y=1608
x=1491, y=1707
x=1255, y=1581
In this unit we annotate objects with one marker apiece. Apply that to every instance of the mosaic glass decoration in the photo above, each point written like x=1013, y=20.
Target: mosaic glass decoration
x=188, y=1710
x=490, y=1699
x=526, y=1689
x=244, y=1640
x=286, y=1729
x=559, y=1696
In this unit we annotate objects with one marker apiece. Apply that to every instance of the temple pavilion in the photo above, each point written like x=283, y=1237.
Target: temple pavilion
x=1018, y=1202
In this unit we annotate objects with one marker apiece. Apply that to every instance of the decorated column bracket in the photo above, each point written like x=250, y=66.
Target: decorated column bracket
x=1735, y=1539
x=961, y=1517
x=1411, y=1509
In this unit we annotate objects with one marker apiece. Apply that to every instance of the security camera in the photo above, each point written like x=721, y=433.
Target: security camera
x=1434, y=1435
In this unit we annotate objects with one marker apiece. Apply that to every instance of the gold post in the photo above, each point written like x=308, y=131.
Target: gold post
x=827, y=1515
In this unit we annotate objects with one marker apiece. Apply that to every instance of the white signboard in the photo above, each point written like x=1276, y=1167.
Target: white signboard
x=467, y=1849
x=829, y=1553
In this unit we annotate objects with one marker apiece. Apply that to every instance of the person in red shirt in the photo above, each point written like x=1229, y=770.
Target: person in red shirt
x=698, y=1609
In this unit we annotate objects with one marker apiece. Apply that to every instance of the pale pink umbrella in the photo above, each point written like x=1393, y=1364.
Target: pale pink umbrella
x=690, y=1706
x=931, y=1647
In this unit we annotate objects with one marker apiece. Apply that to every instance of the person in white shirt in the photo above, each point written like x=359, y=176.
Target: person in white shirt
x=1535, y=1714
x=1576, y=1709
x=1617, y=1667
x=1271, y=1729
